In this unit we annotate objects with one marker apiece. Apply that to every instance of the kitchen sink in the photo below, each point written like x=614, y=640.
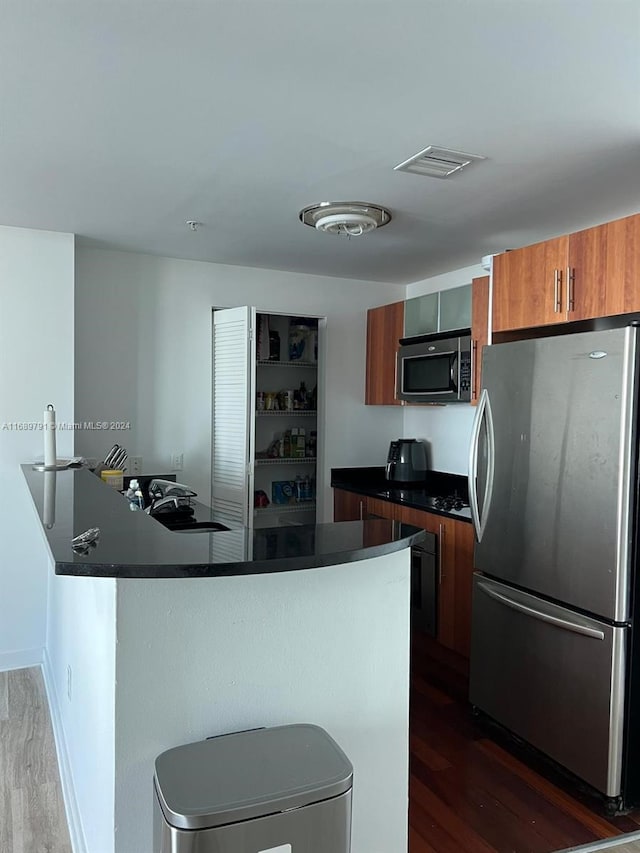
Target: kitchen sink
x=195, y=526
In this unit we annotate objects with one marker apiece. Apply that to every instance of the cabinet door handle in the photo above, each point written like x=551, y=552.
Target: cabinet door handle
x=440, y=550
x=361, y=510
x=557, y=291
x=571, y=278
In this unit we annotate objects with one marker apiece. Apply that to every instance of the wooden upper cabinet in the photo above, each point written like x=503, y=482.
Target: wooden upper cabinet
x=581, y=276
x=604, y=270
x=529, y=286
x=479, y=330
x=385, y=327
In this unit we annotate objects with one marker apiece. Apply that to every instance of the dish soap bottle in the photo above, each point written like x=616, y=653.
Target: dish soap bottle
x=134, y=495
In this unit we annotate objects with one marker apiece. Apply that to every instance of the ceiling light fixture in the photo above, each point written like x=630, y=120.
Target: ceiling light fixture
x=193, y=224
x=345, y=218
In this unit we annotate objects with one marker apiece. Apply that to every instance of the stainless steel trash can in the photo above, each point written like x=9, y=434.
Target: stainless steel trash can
x=285, y=789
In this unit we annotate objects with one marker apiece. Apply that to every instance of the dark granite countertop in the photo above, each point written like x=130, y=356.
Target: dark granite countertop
x=372, y=483
x=135, y=545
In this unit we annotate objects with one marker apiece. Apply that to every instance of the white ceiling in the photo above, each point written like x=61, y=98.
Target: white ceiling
x=120, y=120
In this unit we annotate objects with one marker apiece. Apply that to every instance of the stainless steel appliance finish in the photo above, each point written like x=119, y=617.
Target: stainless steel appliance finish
x=555, y=427
x=280, y=788
x=553, y=676
x=424, y=586
x=406, y=461
x=323, y=827
x=435, y=368
x=552, y=462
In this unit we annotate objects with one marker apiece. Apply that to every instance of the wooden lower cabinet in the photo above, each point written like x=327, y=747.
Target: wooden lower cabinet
x=455, y=559
x=455, y=571
x=375, y=508
x=347, y=506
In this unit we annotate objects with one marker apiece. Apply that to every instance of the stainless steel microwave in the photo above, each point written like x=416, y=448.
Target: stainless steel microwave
x=435, y=368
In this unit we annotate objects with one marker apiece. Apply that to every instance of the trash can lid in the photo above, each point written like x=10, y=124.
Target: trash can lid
x=249, y=774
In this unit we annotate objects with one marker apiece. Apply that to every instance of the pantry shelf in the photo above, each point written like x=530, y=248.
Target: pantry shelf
x=303, y=506
x=307, y=364
x=294, y=412
x=292, y=460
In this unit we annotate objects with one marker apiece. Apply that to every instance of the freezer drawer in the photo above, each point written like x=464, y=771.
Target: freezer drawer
x=551, y=676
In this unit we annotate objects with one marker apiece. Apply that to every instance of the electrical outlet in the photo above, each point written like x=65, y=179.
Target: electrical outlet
x=134, y=466
x=177, y=461
x=69, y=683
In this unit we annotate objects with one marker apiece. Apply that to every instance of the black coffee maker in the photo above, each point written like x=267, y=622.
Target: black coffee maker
x=407, y=461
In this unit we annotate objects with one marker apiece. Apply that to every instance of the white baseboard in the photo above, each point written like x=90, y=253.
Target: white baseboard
x=78, y=841
x=604, y=844
x=20, y=659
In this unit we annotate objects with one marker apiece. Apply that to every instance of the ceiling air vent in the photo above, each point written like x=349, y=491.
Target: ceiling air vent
x=437, y=162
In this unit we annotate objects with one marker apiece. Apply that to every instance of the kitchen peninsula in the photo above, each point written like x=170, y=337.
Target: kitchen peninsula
x=158, y=638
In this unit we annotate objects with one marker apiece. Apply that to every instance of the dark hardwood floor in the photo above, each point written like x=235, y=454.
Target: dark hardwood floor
x=470, y=791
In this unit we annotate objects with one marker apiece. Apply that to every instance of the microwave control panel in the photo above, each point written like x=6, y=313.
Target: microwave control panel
x=465, y=371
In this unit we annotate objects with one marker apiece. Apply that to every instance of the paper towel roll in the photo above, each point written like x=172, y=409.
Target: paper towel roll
x=49, y=436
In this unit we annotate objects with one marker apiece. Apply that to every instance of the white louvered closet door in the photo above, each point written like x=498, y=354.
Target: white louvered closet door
x=233, y=413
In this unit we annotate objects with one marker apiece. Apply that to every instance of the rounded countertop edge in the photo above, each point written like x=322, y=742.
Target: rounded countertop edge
x=412, y=536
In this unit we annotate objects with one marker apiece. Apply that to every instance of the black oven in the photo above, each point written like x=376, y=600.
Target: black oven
x=435, y=368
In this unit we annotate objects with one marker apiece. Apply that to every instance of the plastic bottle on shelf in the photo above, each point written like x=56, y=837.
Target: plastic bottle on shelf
x=306, y=488
x=300, y=447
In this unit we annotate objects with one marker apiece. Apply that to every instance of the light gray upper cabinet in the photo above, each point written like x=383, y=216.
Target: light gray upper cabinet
x=421, y=315
x=455, y=308
x=438, y=312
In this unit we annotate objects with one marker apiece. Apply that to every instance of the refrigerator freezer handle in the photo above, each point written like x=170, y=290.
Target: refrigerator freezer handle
x=483, y=411
x=538, y=614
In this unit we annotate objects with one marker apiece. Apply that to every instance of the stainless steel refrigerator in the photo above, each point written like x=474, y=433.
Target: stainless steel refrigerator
x=553, y=493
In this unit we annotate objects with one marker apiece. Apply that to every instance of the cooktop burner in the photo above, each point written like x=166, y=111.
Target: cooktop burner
x=449, y=503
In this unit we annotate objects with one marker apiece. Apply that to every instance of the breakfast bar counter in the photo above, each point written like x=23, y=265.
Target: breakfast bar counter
x=157, y=637
x=136, y=545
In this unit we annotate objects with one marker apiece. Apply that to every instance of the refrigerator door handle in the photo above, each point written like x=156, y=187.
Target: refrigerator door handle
x=566, y=624
x=483, y=412
x=473, y=463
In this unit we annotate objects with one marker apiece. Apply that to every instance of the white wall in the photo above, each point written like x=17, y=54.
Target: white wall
x=36, y=368
x=447, y=429
x=328, y=646
x=81, y=635
x=143, y=354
